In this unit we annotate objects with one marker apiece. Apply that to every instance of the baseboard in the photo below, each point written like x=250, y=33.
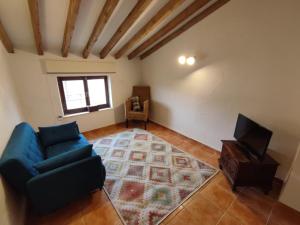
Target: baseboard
x=106, y=127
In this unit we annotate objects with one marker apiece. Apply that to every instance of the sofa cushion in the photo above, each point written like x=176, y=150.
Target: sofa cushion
x=22, y=151
x=64, y=159
x=60, y=148
x=57, y=134
x=135, y=102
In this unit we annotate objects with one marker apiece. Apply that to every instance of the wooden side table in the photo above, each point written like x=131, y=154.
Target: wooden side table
x=242, y=169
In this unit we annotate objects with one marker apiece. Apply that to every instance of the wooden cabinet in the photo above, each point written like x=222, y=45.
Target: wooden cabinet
x=243, y=169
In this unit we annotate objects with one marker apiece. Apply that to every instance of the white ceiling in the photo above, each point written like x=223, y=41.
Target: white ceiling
x=15, y=17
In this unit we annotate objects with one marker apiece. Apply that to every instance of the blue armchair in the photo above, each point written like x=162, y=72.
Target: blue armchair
x=51, y=170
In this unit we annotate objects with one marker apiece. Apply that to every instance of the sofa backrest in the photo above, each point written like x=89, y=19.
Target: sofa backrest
x=22, y=151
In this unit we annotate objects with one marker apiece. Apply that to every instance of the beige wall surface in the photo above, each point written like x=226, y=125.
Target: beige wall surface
x=39, y=93
x=289, y=194
x=247, y=61
x=11, y=206
x=78, y=66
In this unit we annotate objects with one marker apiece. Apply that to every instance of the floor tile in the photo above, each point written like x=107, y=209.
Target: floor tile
x=222, y=181
x=94, y=201
x=246, y=214
x=283, y=215
x=220, y=196
x=204, y=211
x=256, y=201
x=172, y=215
x=227, y=219
x=101, y=215
x=184, y=218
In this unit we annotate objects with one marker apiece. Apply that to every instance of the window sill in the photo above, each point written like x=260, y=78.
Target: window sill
x=84, y=113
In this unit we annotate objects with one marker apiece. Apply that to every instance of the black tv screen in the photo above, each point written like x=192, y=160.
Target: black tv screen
x=252, y=136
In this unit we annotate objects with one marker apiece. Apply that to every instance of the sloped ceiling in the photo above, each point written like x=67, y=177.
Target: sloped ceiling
x=15, y=17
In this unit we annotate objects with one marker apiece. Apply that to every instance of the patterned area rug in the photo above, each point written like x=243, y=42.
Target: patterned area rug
x=147, y=178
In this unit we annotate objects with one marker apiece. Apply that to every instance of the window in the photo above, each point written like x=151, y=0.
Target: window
x=83, y=94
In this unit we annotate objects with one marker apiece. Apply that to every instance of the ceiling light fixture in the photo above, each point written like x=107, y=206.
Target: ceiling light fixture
x=190, y=60
x=186, y=60
x=181, y=60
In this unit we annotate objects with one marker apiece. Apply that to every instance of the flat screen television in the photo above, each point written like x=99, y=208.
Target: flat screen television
x=252, y=137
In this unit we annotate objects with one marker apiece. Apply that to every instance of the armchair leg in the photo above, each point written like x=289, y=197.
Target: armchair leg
x=145, y=124
x=126, y=123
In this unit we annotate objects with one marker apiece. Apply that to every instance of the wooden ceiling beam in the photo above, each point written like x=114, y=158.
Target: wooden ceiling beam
x=6, y=40
x=186, y=13
x=138, y=9
x=104, y=16
x=166, y=10
x=70, y=26
x=185, y=27
x=35, y=21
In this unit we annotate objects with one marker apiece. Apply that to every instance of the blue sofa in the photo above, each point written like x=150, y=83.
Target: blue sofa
x=50, y=187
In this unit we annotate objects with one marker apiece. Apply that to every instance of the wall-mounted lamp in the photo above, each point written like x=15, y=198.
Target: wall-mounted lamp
x=191, y=60
x=186, y=60
x=181, y=60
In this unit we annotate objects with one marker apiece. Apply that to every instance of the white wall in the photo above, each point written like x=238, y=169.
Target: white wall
x=11, y=206
x=289, y=194
x=39, y=94
x=247, y=61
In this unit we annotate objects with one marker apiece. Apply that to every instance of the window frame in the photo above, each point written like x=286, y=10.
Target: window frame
x=85, y=79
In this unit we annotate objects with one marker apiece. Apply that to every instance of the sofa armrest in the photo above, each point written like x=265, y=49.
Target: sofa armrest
x=51, y=190
x=146, y=109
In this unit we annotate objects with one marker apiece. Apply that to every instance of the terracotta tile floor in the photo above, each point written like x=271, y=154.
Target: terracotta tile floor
x=214, y=204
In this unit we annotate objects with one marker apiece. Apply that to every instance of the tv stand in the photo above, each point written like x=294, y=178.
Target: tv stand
x=243, y=169
x=243, y=149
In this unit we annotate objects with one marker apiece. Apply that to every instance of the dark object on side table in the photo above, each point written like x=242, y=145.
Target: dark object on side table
x=242, y=169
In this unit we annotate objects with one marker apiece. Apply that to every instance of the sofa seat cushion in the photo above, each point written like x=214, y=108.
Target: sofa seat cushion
x=64, y=159
x=60, y=148
x=58, y=134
